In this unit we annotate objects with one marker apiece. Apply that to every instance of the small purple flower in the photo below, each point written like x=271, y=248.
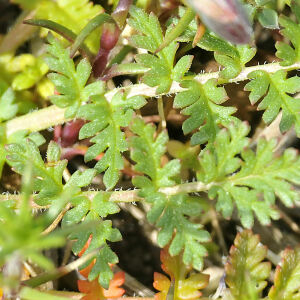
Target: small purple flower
x=227, y=18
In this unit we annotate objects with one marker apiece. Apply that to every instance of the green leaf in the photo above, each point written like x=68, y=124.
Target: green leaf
x=70, y=82
x=201, y=103
x=287, y=279
x=268, y=18
x=289, y=53
x=106, y=122
x=234, y=62
x=54, y=152
x=85, y=210
x=8, y=109
x=249, y=179
x=274, y=90
x=162, y=71
x=246, y=274
x=183, y=284
x=47, y=176
x=30, y=76
x=169, y=213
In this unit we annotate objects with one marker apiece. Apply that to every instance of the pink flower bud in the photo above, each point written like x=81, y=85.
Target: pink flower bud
x=227, y=18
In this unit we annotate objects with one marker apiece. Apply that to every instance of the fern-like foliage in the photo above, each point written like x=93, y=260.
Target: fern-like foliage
x=70, y=81
x=201, y=102
x=47, y=182
x=47, y=176
x=274, y=90
x=287, y=279
x=162, y=71
x=290, y=53
x=72, y=14
x=85, y=211
x=246, y=274
x=251, y=181
x=169, y=213
x=107, y=118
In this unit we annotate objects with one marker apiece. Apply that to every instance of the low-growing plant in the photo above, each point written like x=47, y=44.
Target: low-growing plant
x=216, y=168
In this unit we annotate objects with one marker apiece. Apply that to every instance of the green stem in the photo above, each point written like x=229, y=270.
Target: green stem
x=181, y=26
x=120, y=56
x=59, y=272
x=52, y=115
x=37, y=120
x=90, y=27
x=131, y=195
x=33, y=294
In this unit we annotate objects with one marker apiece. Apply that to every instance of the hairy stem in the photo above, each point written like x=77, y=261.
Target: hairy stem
x=132, y=195
x=52, y=115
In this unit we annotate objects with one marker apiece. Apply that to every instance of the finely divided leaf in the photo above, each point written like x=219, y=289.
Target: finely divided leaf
x=287, y=277
x=70, y=81
x=87, y=210
x=47, y=177
x=162, y=71
x=249, y=179
x=201, y=103
x=246, y=274
x=105, y=128
x=182, y=285
x=290, y=53
x=274, y=90
x=169, y=213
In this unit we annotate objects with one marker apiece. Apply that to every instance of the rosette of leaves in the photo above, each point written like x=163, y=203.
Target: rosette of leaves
x=70, y=81
x=246, y=273
x=169, y=213
x=162, y=70
x=249, y=179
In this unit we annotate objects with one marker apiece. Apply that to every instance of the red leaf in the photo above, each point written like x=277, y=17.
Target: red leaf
x=185, y=286
x=94, y=291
